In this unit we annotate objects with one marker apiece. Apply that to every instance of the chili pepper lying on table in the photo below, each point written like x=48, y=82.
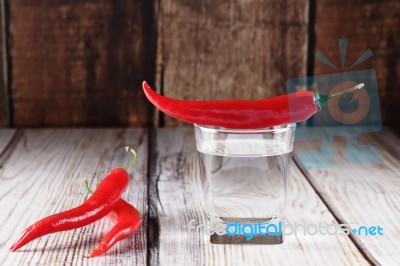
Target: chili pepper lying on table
x=105, y=199
x=244, y=114
x=94, y=208
x=128, y=223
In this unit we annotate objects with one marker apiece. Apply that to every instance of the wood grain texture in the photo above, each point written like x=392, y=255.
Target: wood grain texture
x=45, y=174
x=229, y=49
x=6, y=136
x=81, y=63
x=362, y=194
x=4, y=97
x=177, y=196
x=366, y=24
x=390, y=141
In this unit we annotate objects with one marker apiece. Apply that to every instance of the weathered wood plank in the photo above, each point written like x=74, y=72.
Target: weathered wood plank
x=236, y=49
x=4, y=97
x=81, y=63
x=362, y=194
x=6, y=136
x=389, y=140
x=366, y=24
x=178, y=196
x=46, y=173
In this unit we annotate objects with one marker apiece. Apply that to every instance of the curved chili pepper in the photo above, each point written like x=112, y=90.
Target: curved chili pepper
x=128, y=223
x=98, y=205
x=244, y=114
x=95, y=207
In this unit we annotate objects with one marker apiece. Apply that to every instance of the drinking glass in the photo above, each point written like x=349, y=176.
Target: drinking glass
x=246, y=172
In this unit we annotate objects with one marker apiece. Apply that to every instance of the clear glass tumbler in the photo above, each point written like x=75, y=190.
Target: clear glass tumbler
x=247, y=173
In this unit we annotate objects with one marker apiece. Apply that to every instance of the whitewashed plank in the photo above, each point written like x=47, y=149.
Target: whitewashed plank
x=363, y=193
x=177, y=197
x=45, y=174
x=5, y=138
x=390, y=141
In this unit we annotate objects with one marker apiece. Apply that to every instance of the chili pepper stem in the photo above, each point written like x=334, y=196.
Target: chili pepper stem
x=133, y=152
x=132, y=163
x=87, y=186
x=321, y=99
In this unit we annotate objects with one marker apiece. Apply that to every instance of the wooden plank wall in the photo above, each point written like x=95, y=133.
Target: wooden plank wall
x=230, y=49
x=4, y=100
x=80, y=63
x=372, y=24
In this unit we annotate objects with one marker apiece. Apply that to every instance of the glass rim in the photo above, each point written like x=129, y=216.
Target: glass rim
x=274, y=129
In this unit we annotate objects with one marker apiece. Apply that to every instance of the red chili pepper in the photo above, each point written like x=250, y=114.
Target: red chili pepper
x=244, y=114
x=128, y=222
x=97, y=206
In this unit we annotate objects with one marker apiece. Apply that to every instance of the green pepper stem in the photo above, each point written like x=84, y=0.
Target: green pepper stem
x=321, y=99
x=87, y=186
x=133, y=152
x=132, y=163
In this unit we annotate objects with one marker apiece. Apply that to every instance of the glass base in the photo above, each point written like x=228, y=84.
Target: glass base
x=245, y=230
x=242, y=240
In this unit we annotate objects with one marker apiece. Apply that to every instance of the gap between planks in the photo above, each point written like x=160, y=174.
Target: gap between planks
x=8, y=140
x=153, y=238
x=368, y=256
x=333, y=186
x=176, y=196
x=86, y=153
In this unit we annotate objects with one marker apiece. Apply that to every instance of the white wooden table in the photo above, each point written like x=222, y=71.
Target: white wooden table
x=42, y=171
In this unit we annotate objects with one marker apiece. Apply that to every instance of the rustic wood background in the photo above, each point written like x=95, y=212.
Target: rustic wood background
x=168, y=190
x=81, y=63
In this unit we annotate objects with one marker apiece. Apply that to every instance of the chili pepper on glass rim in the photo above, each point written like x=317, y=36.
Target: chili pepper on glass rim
x=244, y=114
x=98, y=205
